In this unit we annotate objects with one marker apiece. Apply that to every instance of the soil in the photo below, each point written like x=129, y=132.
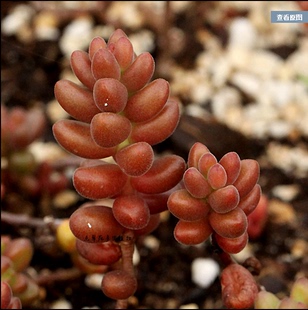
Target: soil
x=29, y=71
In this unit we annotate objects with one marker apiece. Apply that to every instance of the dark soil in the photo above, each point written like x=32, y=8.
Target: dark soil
x=29, y=72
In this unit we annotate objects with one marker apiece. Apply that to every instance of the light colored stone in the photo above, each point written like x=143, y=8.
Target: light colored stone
x=94, y=280
x=142, y=41
x=46, y=151
x=281, y=212
x=65, y=199
x=20, y=17
x=77, y=35
x=125, y=13
x=151, y=242
x=204, y=271
x=286, y=192
x=247, y=82
x=244, y=254
x=189, y=306
x=242, y=33
x=291, y=160
x=46, y=26
x=61, y=304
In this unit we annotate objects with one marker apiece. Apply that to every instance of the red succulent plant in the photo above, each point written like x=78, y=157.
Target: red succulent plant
x=118, y=114
x=216, y=199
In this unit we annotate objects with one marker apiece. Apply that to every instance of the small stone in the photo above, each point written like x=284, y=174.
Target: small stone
x=65, y=199
x=136, y=257
x=300, y=248
x=143, y=41
x=61, y=304
x=55, y=111
x=281, y=213
x=242, y=33
x=151, y=242
x=189, y=306
x=244, y=254
x=247, y=82
x=17, y=19
x=264, y=64
x=279, y=129
x=286, y=192
x=125, y=13
x=290, y=159
x=204, y=271
x=77, y=35
x=46, y=151
x=94, y=280
x=46, y=26
x=225, y=100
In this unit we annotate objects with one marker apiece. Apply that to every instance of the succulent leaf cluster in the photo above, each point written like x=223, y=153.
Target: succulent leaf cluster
x=117, y=110
x=298, y=298
x=17, y=287
x=117, y=115
x=216, y=199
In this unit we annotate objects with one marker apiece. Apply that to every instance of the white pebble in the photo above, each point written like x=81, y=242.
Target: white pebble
x=94, y=280
x=61, y=304
x=244, y=254
x=247, y=82
x=286, y=192
x=143, y=41
x=201, y=92
x=224, y=100
x=242, y=33
x=46, y=26
x=298, y=61
x=189, y=306
x=46, y=151
x=264, y=64
x=65, y=198
x=290, y=159
x=136, y=257
x=151, y=242
x=125, y=13
x=204, y=271
x=77, y=35
x=279, y=129
x=17, y=19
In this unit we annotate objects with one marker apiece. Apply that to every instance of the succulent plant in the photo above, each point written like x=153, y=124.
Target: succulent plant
x=19, y=289
x=117, y=115
x=216, y=199
x=8, y=300
x=298, y=298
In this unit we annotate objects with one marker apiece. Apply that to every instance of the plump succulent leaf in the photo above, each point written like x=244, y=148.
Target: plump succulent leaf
x=81, y=66
x=239, y=288
x=229, y=225
x=135, y=159
x=109, y=95
x=76, y=100
x=165, y=173
x=99, y=181
x=75, y=137
x=192, y=233
x=185, y=207
x=110, y=129
x=147, y=102
x=139, y=73
x=95, y=224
